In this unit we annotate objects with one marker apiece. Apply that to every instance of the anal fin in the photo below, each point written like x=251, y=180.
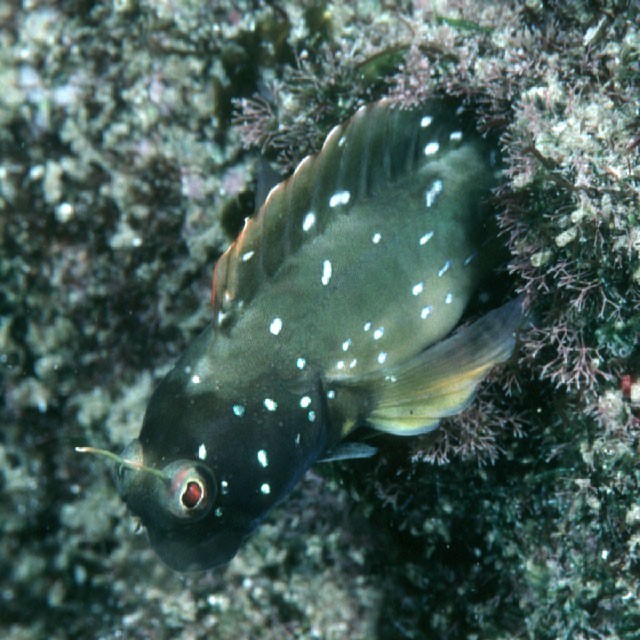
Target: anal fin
x=411, y=398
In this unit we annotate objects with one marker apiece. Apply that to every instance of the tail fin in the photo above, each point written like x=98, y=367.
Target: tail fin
x=411, y=398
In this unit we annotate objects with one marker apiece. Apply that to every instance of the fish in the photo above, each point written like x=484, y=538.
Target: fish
x=337, y=307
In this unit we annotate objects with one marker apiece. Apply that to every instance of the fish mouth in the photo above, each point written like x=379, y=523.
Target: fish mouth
x=187, y=553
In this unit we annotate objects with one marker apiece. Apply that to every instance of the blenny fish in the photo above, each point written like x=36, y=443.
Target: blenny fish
x=335, y=308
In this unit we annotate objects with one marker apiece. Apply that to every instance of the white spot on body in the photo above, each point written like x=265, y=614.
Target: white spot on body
x=301, y=363
x=338, y=198
x=382, y=356
x=426, y=121
x=247, y=256
x=353, y=363
x=346, y=344
x=340, y=364
x=455, y=136
x=431, y=148
x=426, y=237
x=262, y=458
x=297, y=440
x=238, y=410
x=224, y=487
x=195, y=378
x=376, y=238
x=469, y=259
x=445, y=267
x=367, y=326
x=327, y=271
x=426, y=312
x=417, y=289
x=331, y=394
x=309, y=221
x=265, y=488
x=202, y=452
x=378, y=333
x=276, y=326
x=218, y=512
x=305, y=401
x=311, y=416
x=431, y=194
x=448, y=298
x=270, y=405
x=342, y=140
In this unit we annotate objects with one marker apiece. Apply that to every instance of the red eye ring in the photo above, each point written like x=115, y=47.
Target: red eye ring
x=190, y=490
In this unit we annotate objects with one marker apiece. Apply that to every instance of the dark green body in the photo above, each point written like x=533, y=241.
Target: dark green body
x=368, y=255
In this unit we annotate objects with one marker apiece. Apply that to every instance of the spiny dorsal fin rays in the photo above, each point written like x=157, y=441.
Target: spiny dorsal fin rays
x=359, y=158
x=441, y=381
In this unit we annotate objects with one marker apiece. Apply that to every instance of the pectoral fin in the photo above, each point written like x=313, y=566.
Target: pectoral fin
x=349, y=451
x=412, y=397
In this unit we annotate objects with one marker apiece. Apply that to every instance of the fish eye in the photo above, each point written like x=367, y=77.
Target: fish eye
x=192, y=495
x=191, y=491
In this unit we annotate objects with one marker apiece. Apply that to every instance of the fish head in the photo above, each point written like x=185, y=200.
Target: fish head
x=213, y=457
x=177, y=507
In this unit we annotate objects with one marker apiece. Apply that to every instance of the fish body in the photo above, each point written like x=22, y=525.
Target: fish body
x=332, y=310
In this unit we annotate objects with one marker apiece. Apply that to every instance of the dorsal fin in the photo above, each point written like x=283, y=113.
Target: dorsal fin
x=379, y=144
